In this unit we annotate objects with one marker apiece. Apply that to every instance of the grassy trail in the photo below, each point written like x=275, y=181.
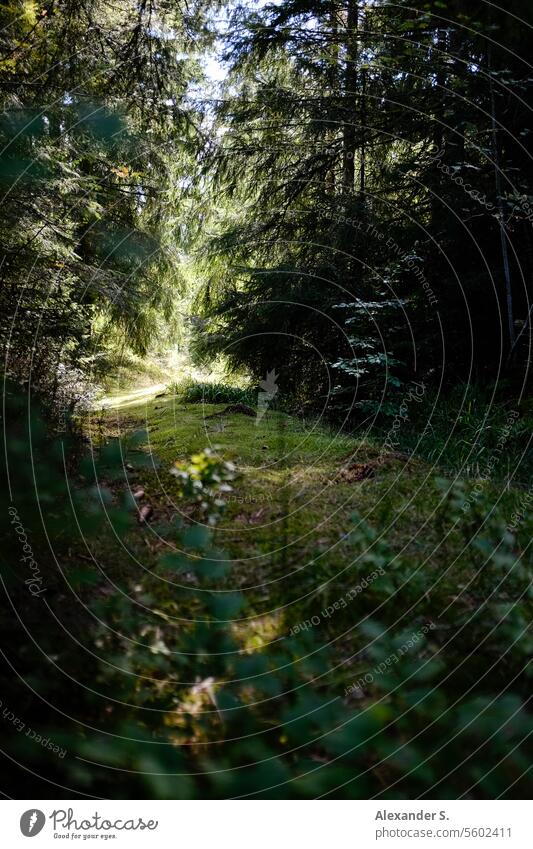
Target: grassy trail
x=302, y=493
x=366, y=612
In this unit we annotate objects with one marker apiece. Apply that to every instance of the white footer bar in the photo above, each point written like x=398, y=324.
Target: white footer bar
x=266, y=824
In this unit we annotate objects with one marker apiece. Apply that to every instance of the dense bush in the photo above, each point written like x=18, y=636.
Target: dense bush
x=195, y=392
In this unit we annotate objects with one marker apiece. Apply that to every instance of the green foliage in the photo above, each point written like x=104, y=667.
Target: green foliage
x=89, y=265
x=469, y=431
x=355, y=166
x=205, y=479
x=195, y=392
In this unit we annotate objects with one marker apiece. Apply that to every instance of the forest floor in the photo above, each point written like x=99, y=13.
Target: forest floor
x=312, y=512
x=354, y=623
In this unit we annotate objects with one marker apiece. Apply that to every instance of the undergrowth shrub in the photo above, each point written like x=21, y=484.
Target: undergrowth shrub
x=195, y=392
x=466, y=430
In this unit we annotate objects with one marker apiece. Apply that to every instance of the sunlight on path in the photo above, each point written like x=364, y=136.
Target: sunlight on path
x=129, y=399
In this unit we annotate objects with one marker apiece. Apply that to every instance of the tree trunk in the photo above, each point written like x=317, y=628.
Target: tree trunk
x=501, y=212
x=362, y=176
x=350, y=86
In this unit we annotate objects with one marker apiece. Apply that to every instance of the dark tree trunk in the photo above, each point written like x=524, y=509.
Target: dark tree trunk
x=349, y=106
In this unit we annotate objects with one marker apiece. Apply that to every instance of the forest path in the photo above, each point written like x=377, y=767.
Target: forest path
x=298, y=486
x=300, y=490
x=318, y=570
x=121, y=399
